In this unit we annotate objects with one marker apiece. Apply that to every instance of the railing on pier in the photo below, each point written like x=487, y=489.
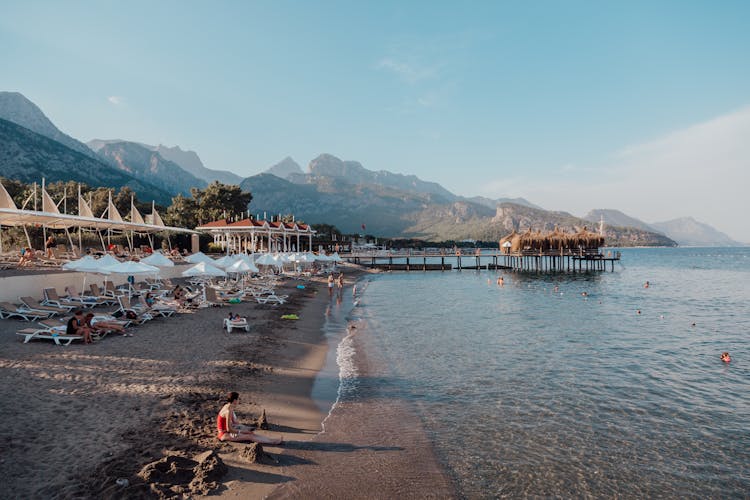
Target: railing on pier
x=582, y=260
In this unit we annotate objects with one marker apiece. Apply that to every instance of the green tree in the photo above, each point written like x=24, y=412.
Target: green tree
x=220, y=200
x=183, y=212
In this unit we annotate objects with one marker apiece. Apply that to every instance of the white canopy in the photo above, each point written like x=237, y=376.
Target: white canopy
x=203, y=269
x=336, y=258
x=157, y=259
x=240, y=266
x=85, y=264
x=267, y=260
x=130, y=267
x=199, y=257
x=107, y=260
x=225, y=261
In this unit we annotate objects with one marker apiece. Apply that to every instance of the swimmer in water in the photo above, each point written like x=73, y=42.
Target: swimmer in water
x=725, y=357
x=500, y=281
x=556, y=289
x=638, y=311
x=584, y=294
x=646, y=284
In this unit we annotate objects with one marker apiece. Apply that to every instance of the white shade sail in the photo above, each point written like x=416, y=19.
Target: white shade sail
x=203, y=269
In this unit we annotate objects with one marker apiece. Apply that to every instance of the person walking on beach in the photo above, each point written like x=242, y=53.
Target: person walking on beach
x=49, y=245
x=330, y=285
x=340, y=281
x=229, y=429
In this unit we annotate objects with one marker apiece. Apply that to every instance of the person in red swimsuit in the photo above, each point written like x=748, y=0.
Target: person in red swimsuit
x=229, y=429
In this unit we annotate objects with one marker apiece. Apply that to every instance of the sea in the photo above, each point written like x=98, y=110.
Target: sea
x=567, y=384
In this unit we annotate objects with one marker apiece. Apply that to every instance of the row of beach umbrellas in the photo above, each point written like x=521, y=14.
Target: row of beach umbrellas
x=203, y=264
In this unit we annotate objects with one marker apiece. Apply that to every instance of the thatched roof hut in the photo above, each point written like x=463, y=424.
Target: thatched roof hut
x=556, y=240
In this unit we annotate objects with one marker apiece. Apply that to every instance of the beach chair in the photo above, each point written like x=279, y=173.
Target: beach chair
x=98, y=294
x=52, y=299
x=272, y=298
x=215, y=297
x=43, y=333
x=157, y=309
x=135, y=314
x=111, y=291
x=34, y=305
x=241, y=323
x=8, y=310
x=85, y=299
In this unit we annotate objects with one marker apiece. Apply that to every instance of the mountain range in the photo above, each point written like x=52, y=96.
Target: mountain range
x=331, y=190
x=686, y=231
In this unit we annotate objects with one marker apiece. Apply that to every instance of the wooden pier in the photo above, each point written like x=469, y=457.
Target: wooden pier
x=523, y=261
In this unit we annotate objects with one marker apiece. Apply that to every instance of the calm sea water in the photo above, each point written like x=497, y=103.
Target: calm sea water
x=528, y=391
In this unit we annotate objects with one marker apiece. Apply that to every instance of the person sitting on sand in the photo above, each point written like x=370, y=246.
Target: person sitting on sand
x=229, y=429
x=77, y=326
x=725, y=357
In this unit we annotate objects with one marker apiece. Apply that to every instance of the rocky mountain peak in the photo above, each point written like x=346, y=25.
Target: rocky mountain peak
x=16, y=108
x=285, y=168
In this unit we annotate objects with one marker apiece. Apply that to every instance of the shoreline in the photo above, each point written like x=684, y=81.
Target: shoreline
x=106, y=410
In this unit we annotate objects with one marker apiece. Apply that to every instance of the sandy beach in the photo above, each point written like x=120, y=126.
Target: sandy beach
x=83, y=418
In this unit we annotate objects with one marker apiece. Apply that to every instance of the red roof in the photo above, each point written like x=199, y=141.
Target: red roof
x=216, y=223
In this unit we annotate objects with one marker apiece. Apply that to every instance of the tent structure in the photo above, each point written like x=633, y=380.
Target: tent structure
x=51, y=218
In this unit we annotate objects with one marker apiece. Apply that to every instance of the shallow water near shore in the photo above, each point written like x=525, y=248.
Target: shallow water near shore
x=528, y=390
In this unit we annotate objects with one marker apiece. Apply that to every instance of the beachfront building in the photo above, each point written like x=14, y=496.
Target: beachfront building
x=252, y=235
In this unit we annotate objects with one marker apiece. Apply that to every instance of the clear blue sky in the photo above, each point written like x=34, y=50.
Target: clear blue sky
x=570, y=104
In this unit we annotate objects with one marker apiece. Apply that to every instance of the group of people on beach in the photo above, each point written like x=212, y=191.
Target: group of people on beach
x=335, y=282
x=85, y=326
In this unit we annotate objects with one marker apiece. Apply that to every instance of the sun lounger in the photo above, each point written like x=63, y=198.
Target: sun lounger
x=230, y=324
x=86, y=299
x=52, y=299
x=34, y=305
x=157, y=308
x=8, y=310
x=30, y=334
x=134, y=314
x=272, y=298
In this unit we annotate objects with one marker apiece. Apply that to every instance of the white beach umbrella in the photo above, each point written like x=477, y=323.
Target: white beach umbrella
x=84, y=264
x=203, y=269
x=107, y=260
x=131, y=268
x=322, y=258
x=248, y=259
x=225, y=261
x=240, y=266
x=267, y=260
x=199, y=257
x=336, y=258
x=157, y=259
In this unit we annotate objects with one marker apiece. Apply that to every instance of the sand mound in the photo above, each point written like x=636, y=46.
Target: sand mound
x=177, y=476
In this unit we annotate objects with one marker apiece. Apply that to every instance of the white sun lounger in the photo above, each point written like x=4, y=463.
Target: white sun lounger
x=230, y=324
x=29, y=334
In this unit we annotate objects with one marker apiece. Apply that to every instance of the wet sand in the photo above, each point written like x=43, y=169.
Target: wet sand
x=78, y=418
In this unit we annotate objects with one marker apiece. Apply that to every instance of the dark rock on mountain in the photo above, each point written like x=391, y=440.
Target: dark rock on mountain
x=28, y=156
x=689, y=232
x=142, y=163
x=285, y=168
x=15, y=108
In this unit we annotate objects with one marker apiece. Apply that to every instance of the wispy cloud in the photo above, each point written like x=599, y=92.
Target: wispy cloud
x=701, y=171
x=408, y=72
x=116, y=100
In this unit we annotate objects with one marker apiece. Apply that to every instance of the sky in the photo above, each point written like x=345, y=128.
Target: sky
x=639, y=106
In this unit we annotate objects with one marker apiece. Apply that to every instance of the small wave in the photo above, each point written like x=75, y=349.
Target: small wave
x=348, y=373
